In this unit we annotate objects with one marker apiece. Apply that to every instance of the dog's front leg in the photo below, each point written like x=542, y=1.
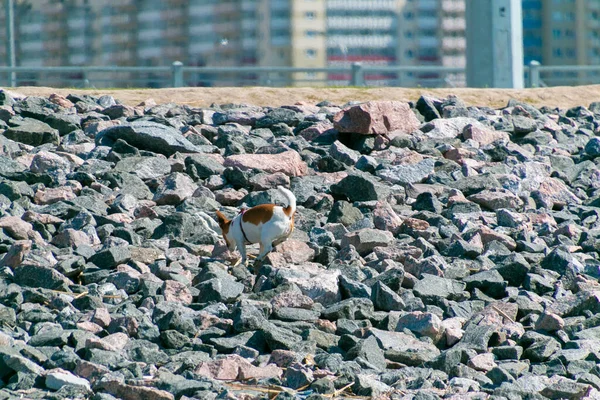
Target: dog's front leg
x=244, y=259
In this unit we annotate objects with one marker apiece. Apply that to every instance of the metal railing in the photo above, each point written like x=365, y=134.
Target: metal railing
x=179, y=75
x=356, y=74
x=561, y=75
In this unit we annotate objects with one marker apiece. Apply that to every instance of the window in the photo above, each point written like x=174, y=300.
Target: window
x=557, y=52
x=408, y=34
x=309, y=15
x=310, y=53
x=409, y=15
x=409, y=54
x=310, y=34
x=556, y=33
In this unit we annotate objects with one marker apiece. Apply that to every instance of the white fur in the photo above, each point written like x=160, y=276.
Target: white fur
x=268, y=234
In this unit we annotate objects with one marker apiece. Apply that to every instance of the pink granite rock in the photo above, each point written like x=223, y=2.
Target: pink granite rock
x=482, y=135
x=16, y=253
x=377, y=118
x=319, y=129
x=288, y=162
x=177, y=291
x=53, y=195
x=234, y=367
x=131, y=392
x=295, y=251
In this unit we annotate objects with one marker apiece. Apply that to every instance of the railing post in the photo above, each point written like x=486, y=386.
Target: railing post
x=10, y=37
x=177, y=74
x=358, y=76
x=534, y=74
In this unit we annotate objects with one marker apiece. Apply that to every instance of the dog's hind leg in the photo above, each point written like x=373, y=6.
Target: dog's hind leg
x=264, y=250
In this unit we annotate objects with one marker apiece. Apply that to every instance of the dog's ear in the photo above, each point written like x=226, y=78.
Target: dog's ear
x=221, y=219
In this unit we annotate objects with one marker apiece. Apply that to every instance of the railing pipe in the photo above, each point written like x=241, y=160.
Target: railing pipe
x=177, y=74
x=534, y=74
x=358, y=75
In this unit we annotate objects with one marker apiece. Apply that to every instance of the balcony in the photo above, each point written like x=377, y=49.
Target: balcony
x=459, y=61
x=453, y=6
x=361, y=5
x=379, y=23
x=453, y=24
x=454, y=43
x=372, y=41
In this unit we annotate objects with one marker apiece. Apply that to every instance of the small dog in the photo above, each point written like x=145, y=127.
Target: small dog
x=267, y=224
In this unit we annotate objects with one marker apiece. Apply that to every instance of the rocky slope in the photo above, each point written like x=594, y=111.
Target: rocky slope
x=440, y=251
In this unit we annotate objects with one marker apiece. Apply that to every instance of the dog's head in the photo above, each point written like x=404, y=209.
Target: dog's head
x=225, y=224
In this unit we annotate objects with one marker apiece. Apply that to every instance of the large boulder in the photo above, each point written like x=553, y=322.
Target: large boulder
x=376, y=118
x=288, y=162
x=146, y=135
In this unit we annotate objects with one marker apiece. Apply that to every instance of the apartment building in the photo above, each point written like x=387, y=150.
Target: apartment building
x=562, y=32
x=295, y=33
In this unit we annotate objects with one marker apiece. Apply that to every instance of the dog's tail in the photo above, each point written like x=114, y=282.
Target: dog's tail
x=291, y=200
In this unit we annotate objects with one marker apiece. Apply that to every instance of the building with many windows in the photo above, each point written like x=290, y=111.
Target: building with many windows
x=295, y=33
x=562, y=32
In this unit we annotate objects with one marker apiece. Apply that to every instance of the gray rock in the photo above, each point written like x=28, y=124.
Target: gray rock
x=343, y=154
x=144, y=167
x=360, y=187
x=111, y=257
x=57, y=378
x=403, y=348
x=344, y=213
x=199, y=166
x=408, y=173
x=429, y=107
x=39, y=276
x=356, y=308
x=490, y=282
x=296, y=314
x=279, y=338
x=386, y=299
x=561, y=261
x=31, y=131
x=297, y=376
x=369, y=350
x=147, y=135
x=427, y=201
x=566, y=389
x=221, y=290
x=175, y=189
x=365, y=240
x=431, y=288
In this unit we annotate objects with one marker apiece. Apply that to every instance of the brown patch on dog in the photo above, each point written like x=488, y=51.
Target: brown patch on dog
x=224, y=223
x=288, y=211
x=259, y=214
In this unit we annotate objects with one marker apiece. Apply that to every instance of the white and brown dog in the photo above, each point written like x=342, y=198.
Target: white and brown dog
x=267, y=224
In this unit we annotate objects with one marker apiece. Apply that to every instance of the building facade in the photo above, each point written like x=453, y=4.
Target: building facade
x=562, y=32
x=294, y=33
